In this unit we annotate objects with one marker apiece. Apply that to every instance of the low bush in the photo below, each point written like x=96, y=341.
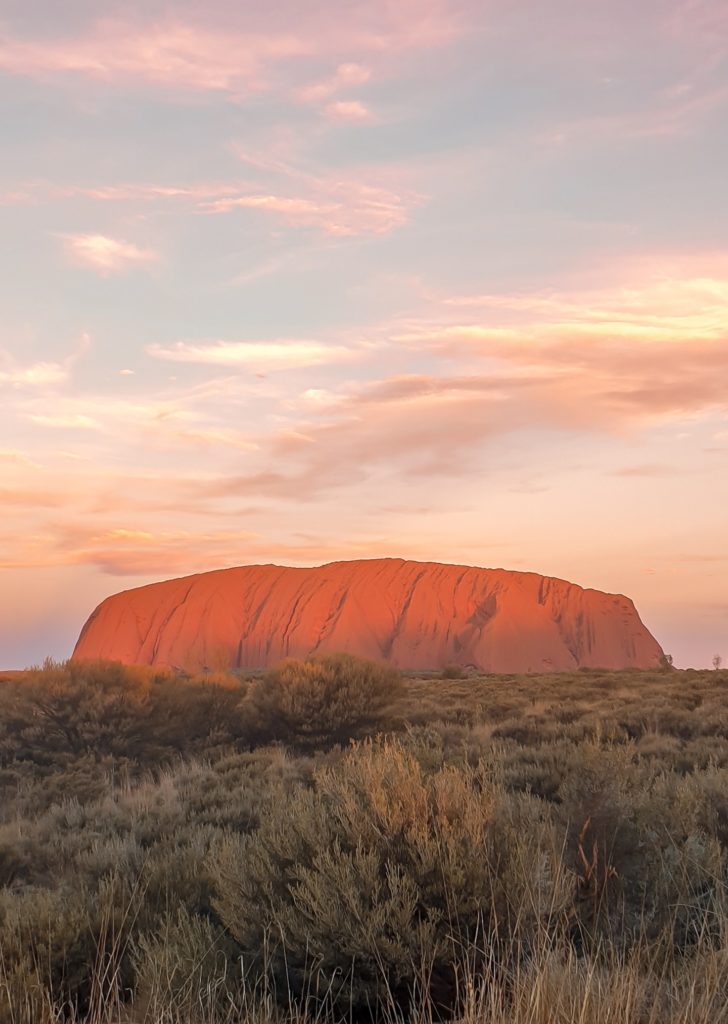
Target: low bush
x=86, y=722
x=383, y=870
x=320, y=701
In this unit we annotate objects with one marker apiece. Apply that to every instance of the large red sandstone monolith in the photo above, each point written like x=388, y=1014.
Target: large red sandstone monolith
x=417, y=615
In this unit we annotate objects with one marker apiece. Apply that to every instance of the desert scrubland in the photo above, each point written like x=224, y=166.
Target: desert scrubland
x=336, y=841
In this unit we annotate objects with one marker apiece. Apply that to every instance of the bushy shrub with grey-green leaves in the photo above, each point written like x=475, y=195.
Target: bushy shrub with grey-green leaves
x=320, y=701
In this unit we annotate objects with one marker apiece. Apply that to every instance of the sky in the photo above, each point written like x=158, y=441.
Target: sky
x=311, y=280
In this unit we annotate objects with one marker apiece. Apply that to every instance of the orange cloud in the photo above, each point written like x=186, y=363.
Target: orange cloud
x=164, y=554
x=124, y=551
x=658, y=346
x=106, y=255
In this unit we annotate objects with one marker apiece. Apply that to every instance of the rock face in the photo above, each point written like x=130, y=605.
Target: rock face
x=417, y=615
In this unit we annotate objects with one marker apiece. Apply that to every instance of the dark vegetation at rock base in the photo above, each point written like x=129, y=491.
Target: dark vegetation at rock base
x=332, y=841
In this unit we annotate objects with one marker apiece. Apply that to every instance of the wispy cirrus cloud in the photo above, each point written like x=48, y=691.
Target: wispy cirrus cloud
x=106, y=255
x=340, y=208
x=346, y=206
x=338, y=204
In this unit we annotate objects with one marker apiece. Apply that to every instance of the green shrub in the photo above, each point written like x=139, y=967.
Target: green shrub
x=645, y=863
x=320, y=701
x=65, y=728
x=382, y=871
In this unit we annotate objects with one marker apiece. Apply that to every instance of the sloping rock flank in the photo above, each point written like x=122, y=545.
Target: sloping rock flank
x=417, y=615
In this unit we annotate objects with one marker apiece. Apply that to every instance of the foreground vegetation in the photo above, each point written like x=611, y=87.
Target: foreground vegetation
x=332, y=841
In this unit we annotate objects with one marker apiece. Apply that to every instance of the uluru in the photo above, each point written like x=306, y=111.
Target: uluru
x=415, y=615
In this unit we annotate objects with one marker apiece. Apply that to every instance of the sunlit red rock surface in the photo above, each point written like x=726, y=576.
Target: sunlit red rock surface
x=417, y=615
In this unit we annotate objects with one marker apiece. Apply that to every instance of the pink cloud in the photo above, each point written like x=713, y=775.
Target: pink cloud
x=346, y=75
x=344, y=206
x=106, y=255
x=348, y=110
x=171, y=54
x=235, y=50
